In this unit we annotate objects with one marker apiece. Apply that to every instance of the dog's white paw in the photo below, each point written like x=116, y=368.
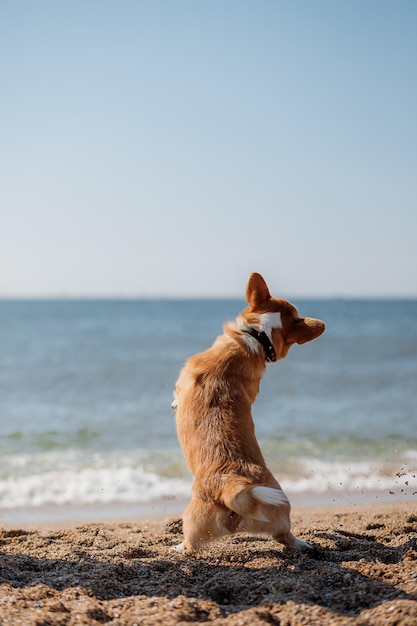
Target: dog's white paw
x=179, y=547
x=302, y=545
x=174, y=404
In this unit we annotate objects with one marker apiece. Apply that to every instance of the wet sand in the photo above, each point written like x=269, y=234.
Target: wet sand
x=362, y=570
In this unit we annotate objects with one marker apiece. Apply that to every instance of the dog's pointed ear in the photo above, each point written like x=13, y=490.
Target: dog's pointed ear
x=257, y=291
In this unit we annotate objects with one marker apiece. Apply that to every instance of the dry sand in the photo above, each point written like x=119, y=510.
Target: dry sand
x=363, y=570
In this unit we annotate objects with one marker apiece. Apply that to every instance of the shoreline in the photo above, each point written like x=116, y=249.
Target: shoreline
x=70, y=516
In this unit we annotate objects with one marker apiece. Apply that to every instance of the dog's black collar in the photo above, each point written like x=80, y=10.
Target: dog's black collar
x=262, y=337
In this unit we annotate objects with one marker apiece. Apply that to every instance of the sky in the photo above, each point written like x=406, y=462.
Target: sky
x=170, y=147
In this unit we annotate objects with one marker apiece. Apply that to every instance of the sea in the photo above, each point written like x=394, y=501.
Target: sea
x=86, y=388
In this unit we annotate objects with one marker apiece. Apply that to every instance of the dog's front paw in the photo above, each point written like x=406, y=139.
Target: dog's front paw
x=180, y=547
x=302, y=545
x=174, y=404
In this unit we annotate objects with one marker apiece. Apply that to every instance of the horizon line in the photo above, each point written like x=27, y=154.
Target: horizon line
x=127, y=297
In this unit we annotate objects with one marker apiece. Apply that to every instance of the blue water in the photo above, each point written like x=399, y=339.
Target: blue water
x=86, y=387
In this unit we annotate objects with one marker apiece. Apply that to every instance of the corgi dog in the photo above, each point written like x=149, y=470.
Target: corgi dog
x=233, y=489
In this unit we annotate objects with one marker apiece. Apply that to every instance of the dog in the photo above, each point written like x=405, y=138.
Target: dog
x=233, y=489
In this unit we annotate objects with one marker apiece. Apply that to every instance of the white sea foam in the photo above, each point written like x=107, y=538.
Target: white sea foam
x=320, y=476
x=89, y=486
x=73, y=479
x=67, y=479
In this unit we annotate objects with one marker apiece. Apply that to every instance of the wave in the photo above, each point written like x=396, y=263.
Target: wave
x=89, y=486
x=76, y=478
x=362, y=476
x=71, y=481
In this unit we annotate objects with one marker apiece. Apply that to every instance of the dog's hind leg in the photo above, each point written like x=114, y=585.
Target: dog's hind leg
x=203, y=522
x=280, y=530
x=277, y=510
x=273, y=517
x=288, y=539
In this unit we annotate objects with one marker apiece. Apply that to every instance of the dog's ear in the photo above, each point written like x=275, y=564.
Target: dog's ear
x=257, y=291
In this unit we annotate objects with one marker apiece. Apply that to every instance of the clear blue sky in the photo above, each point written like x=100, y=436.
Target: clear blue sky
x=171, y=147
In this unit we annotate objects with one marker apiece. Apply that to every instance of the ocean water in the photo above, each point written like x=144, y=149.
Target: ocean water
x=86, y=387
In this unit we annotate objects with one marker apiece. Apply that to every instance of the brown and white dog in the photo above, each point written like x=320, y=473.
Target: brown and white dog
x=233, y=489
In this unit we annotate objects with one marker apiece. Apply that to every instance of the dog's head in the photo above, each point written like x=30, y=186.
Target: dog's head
x=277, y=317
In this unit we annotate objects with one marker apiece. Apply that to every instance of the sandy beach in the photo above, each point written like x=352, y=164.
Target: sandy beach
x=362, y=570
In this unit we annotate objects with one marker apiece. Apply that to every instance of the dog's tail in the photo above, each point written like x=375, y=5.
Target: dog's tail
x=249, y=501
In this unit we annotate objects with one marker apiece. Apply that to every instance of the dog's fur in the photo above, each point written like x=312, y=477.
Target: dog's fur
x=233, y=489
